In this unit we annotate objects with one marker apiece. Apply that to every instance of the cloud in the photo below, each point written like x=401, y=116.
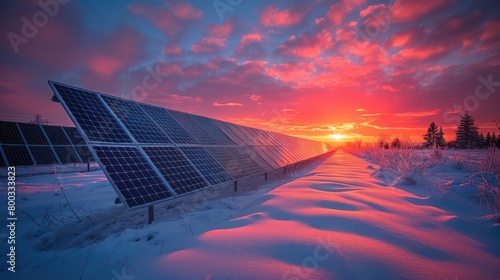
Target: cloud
x=408, y=11
x=360, y=110
x=186, y=11
x=338, y=11
x=209, y=45
x=307, y=45
x=417, y=114
x=227, y=104
x=255, y=97
x=274, y=17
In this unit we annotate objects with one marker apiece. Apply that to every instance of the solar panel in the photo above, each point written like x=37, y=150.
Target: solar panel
x=265, y=156
x=250, y=167
x=2, y=161
x=67, y=154
x=214, y=130
x=43, y=155
x=196, y=130
x=56, y=135
x=74, y=136
x=230, y=133
x=9, y=134
x=177, y=170
x=213, y=172
x=133, y=177
x=173, y=129
x=92, y=116
x=139, y=124
x=17, y=155
x=33, y=134
x=84, y=153
x=227, y=161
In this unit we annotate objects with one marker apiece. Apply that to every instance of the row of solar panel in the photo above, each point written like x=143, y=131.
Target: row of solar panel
x=29, y=144
x=151, y=153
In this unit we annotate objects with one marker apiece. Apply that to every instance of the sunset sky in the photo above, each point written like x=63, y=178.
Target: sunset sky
x=357, y=68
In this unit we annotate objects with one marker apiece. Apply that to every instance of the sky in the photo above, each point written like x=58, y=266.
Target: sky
x=317, y=68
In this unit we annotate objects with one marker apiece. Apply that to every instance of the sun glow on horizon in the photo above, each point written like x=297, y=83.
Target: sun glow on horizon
x=337, y=137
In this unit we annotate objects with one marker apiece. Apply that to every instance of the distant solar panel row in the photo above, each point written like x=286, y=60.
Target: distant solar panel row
x=151, y=154
x=29, y=144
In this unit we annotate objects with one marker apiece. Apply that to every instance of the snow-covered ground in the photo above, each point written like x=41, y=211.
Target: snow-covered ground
x=344, y=218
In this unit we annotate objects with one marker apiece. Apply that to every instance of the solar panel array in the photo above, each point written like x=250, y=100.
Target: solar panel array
x=151, y=154
x=29, y=144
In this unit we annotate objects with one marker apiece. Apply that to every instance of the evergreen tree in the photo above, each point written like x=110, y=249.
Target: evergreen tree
x=440, y=142
x=494, y=140
x=466, y=134
x=430, y=138
x=488, y=140
x=481, y=142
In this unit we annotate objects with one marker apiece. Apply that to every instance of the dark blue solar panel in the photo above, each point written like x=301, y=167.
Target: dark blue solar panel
x=206, y=164
x=2, y=162
x=74, y=136
x=179, y=172
x=56, y=135
x=43, y=155
x=194, y=128
x=250, y=166
x=17, y=155
x=174, y=130
x=84, y=153
x=66, y=154
x=225, y=127
x=139, y=124
x=226, y=160
x=92, y=116
x=132, y=175
x=9, y=134
x=214, y=130
x=33, y=134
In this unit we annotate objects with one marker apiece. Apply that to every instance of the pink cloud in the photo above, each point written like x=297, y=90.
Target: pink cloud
x=248, y=40
x=338, y=11
x=172, y=49
x=209, y=45
x=407, y=11
x=292, y=71
x=307, y=45
x=406, y=37
x=274, y=17
x=222, y=31
x=255, y=97
x=186, y=11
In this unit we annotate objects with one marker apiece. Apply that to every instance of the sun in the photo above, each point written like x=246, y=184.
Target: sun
x=337, y=136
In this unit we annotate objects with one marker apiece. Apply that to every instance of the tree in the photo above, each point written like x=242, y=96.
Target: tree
x=434, y=136
x=440, y=142
x=396, y=143
x=466, y=134
x=494, y=140
x=481, y=141
x=488, y=140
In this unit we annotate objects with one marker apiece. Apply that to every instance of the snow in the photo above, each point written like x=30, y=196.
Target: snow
x=340, y=218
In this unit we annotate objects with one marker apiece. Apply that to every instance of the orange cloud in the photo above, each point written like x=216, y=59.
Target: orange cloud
x=227, y=104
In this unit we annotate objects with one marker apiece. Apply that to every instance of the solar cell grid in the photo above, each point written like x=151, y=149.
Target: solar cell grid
x=177, y=170
x=213, y=172
x=84, y=153
x=173, y=129
x=56, y=135
x=132, y=175
x=250, y=167
x=92, y=116
x=66, y=154
x=9, y=134
x=33, y=134
x=17, y=155
x=235, y=138
x=2, y=162
x=196, y=130
x=139, y=124
x=43, y=155
x=74, y=136
x=214, y=130
x=227, y=161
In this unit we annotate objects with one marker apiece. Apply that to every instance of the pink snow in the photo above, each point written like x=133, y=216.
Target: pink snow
x=337, y=222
